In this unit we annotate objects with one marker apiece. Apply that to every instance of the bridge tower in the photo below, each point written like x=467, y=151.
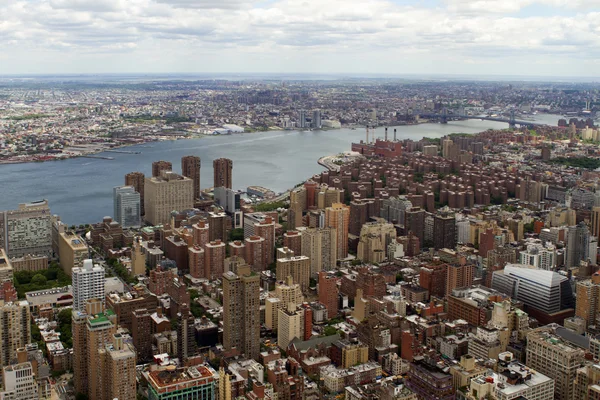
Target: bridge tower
x=444, y=116
x=511, y=122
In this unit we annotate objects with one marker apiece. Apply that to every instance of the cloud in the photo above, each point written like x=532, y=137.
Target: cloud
x=305, y=34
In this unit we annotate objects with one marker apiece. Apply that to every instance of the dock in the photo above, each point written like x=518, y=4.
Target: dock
x=123, y=151
x=97, y=157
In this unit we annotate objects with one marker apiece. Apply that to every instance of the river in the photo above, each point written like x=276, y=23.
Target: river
x=80, y=189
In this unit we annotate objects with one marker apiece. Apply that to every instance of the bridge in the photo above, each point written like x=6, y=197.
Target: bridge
x=446, y=116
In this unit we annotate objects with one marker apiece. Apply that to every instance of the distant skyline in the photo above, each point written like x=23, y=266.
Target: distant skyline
x=552, y=38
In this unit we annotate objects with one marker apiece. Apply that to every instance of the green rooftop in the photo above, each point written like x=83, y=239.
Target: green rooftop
x=101, y=318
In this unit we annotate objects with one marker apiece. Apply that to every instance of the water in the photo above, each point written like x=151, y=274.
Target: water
x=80, y=189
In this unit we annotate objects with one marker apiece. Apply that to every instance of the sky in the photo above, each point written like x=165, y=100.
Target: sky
x=354, y=37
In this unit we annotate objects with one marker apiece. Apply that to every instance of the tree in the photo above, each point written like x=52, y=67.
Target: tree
x=329, y=331
x=39, y=279
x=236, y=234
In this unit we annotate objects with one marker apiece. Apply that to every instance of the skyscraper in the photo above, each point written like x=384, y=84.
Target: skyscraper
x=596, y=221
x=320, y=246
x=159, y=166
x=578, y=240
x=266, y=230
x=444, y=231
x=316, y=119
x=588, y=299
x=136, y=180
x=141, y=325
x=166, y=193
x=15, y=329
x=190, y=168
x=127, y=207
x=118, y=375
x=302, y=119
x=338, y=217
x=223, y=168
x=214, y=259
x=186, y=341
x=241, y=311
x=88, y=283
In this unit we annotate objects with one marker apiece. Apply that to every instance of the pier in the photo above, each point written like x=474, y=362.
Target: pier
x=97, y=157
x=123, y=151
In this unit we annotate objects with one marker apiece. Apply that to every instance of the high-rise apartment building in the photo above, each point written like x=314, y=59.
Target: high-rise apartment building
x=15, y=329
x=219, y=225
x=127, y=207
x=27, y=230
x=166, y=193
x=190, y=168
x=88, y=283
x=159, y=166
x=552, y=356
x=223, y=168
x=375, y=237
x=320, y=246
x=186, y=341
x=587, y=305
x=214, y=259
x=338, y=217
x=328, y=293
x=201, y=233
x=578, y=240
x=293, y=241
x=118, y=375
x=316, y=119
x=138, y=257
x=596, y=221
x=241, y=311
x=141, y=326
x=444, y=231
x=103, y=365
x=136, y=180
x=196, y=264
x=266, y=230
x=298, y=267
x=256, y=253
x=459, y=276
x=414, y=221
x=539, y=256
x=290, y=325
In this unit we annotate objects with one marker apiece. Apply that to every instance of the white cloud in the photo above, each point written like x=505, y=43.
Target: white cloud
x=304, y=35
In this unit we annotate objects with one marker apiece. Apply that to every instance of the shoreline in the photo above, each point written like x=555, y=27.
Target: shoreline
x=47, y=157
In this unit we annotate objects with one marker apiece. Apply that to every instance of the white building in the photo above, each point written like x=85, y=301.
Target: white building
x=539, y=255
x=19, y=383
x=88, y=283
x=513, y=380
x=127, y=207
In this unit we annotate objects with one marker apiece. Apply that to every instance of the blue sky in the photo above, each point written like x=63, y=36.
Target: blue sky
x=474, y=37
